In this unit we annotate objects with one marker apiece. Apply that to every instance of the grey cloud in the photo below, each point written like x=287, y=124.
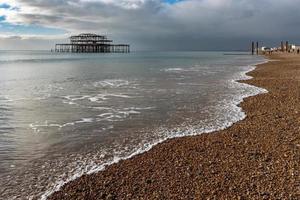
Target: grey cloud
x=190, y=24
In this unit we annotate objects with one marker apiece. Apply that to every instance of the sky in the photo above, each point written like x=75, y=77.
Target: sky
x=150, y=24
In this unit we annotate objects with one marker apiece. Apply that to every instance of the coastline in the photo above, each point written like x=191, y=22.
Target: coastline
x=208, y=165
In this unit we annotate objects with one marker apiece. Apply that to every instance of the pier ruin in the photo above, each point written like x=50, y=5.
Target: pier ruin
x=91, y=43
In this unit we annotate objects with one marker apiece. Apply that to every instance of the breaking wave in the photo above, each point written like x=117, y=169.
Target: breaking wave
x=229, y=110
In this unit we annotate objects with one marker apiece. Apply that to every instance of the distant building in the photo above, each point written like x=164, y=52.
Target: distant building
x=91, y=43
x=295, y=47
x=264, y=49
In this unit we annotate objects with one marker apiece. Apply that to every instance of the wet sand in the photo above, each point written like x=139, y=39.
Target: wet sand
x=257, y=158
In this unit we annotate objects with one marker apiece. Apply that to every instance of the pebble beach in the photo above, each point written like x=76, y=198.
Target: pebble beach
x=256, y=158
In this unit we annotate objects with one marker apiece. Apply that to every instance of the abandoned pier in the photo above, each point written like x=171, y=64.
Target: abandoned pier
x=91, y=43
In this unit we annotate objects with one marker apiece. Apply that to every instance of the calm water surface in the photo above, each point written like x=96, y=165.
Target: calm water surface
x=62, y=115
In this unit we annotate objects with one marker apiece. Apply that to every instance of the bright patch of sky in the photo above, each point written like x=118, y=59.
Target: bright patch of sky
x=19, y=28
x=13, y=29
x=4, y=6
x=172, y=1
x=2, y=18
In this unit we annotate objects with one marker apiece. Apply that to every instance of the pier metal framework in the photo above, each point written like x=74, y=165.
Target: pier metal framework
x=91, y=43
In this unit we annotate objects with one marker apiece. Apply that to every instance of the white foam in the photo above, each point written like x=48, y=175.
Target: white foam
x=85, y=120
x=71, y=99
x=16, y=99
x=70, y=102
x=68, y=124
x=126, y=113
x=140, y=108
x=180, y=69
x=114, y=114
x=105, y=114
x=37, y=125
x=107, y=96
x=165, y=134
x=118, y=114
x=101, y=108
x=111, y=83
x=117, y=95
x=94, y=99
x=173, y=69
x=115, y=83
x=98, y=98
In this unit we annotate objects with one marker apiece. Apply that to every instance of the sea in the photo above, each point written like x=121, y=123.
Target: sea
x=64, y=115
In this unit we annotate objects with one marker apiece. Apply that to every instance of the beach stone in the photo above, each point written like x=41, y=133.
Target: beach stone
x=256, y=158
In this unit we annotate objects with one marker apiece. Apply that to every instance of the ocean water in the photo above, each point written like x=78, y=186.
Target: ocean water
x=63, y=115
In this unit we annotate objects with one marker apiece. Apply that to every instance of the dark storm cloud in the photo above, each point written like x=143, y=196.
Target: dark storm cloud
x=154, y=24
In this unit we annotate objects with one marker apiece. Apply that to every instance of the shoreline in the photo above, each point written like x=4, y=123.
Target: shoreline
x=237, y=77
x=141, y=175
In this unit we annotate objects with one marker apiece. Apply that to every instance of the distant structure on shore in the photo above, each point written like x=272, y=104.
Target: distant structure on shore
x=284, y=47
x=91, y=43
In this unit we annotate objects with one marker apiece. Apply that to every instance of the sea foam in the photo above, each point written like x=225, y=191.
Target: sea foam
x=232, y=109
